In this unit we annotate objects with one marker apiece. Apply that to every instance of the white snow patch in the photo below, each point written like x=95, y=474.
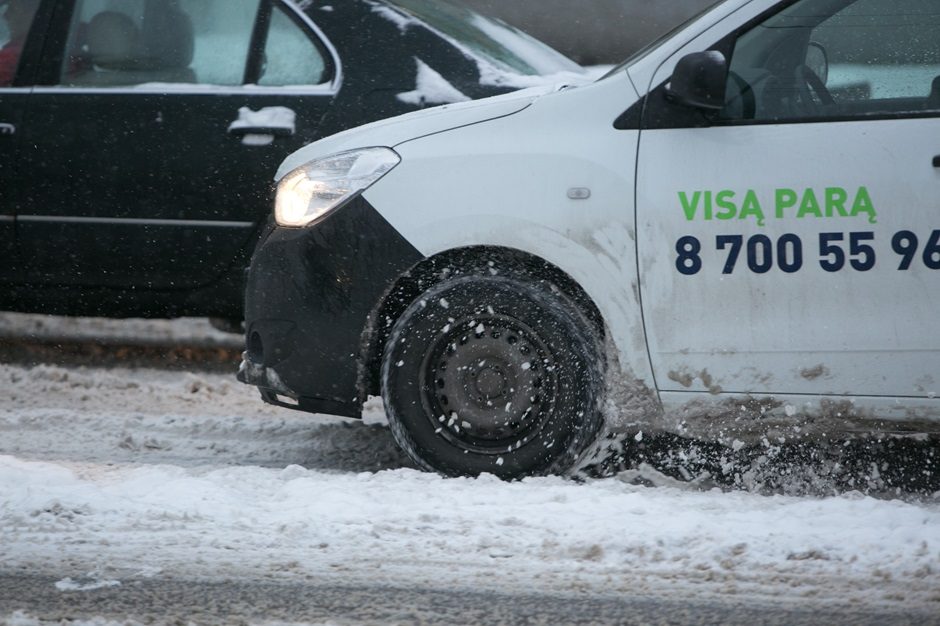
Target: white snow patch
x=431, y=88
x=536, y=54
x=401, y=20
x=188, y=330
x=403, y=521
x=276, y=118
x=269, y=117
x=67, y=584
x=21, y=618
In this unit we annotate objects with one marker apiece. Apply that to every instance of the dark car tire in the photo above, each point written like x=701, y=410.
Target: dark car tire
x=493, y=374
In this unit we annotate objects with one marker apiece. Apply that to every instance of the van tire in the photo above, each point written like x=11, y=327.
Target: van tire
x=495, y=374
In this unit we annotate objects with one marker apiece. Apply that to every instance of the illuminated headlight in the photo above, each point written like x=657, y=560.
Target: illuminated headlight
x=313, y=190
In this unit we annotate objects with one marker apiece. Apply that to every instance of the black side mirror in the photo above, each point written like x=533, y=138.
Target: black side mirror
x=699, y=80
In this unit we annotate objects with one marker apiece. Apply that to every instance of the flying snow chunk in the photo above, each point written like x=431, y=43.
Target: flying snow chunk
x=431, y=88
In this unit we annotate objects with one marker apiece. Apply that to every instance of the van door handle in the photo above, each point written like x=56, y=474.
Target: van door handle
x=936, y=161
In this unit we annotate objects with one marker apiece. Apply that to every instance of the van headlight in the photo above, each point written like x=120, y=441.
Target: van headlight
x=313, y=190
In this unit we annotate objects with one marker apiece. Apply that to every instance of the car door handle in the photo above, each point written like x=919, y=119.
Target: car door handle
x=276, y=121
x=936, y=161
x=277, y=131
x=7, y=129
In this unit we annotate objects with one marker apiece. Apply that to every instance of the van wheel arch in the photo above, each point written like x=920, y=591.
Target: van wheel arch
x=455, y=262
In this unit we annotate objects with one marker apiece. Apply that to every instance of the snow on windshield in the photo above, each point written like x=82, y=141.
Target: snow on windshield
x=431, y=88
x=505, y=57
x=541, y=58
x=397, y=17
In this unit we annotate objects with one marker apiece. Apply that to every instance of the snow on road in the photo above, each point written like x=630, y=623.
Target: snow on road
x=186, y=330
x=111, y=475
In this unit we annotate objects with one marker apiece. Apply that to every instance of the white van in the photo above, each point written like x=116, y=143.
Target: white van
x=735, y=230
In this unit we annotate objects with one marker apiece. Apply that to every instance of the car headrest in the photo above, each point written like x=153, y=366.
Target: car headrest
x=112, y=40
x=168, y=41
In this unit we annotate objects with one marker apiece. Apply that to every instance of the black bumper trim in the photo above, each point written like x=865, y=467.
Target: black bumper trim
x=309, y=299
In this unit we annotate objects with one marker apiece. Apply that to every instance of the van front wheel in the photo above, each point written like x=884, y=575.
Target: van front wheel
x=493, y=374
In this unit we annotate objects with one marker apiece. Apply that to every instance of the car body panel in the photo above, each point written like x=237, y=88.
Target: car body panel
x=11, y=109
x=394, y=131
x=811, y=331
x=181, y=240
x=484, y=170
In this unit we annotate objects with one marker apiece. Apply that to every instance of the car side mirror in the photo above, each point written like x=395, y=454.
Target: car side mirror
x=699, y=80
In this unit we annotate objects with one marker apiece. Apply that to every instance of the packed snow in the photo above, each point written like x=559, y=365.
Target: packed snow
x=276, y=118
x=108, y=475
x=550, y=67
x=431, y=88
x=186, y=330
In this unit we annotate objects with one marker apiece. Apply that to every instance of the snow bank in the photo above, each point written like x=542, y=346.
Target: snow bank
x=126, y=522
x=189, y=330
x=153, y=416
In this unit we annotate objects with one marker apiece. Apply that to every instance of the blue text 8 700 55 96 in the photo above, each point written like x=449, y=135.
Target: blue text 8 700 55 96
x=834, y=252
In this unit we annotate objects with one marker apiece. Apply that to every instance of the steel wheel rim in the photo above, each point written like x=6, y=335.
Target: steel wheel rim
x=489, y=384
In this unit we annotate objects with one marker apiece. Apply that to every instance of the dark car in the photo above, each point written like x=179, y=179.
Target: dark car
x=139, y=138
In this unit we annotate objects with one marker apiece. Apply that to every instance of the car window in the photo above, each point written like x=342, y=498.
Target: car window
x=829, y=59
x=134, y=42
x=16, y=18
x=290, y=56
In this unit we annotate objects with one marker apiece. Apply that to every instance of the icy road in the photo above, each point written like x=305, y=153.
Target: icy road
x=155, y=496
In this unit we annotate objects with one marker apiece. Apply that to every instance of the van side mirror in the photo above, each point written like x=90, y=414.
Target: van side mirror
x=699, y=80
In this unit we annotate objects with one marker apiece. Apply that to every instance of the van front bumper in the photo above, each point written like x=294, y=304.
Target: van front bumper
x=310, y=297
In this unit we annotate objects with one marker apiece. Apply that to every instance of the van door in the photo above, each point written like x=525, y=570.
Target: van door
x=790, y=243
